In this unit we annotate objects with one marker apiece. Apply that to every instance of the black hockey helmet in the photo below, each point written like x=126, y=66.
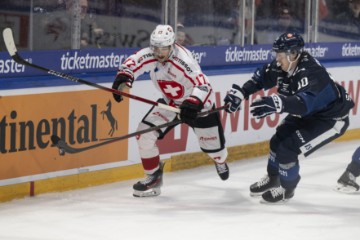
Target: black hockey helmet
x=289, y=42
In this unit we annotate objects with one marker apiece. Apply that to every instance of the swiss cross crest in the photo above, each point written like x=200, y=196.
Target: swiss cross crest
x=171, y=89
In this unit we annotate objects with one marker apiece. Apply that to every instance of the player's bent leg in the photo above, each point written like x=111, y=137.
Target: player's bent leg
x=288, y=169
x=210, y=135
x=149, y=153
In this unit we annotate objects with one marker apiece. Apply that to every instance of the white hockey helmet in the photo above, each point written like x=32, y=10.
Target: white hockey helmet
x=162, y=36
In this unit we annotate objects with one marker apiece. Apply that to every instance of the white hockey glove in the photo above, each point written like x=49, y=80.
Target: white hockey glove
x=234, y=98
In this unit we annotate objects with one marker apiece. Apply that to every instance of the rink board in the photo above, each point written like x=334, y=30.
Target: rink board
x=31, y=168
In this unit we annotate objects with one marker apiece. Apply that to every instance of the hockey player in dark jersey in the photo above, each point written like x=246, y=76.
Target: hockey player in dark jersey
x=316, y=105
x=347, y=181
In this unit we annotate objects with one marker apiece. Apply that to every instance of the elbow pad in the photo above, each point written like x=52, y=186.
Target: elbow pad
x=294, y=105
x=201, y=92
x=250, y=87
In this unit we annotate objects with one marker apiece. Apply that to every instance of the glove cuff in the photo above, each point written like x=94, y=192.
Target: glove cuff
x=278, y=103
x=201, y=93
x=126, y=72
x=237, y=91
x=194, y=100
x=124, y=78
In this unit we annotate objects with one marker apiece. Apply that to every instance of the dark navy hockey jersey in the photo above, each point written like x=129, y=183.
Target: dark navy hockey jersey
x=308, y=92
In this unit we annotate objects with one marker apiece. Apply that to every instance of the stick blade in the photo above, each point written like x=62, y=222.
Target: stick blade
x=55, y=139
x=9, y=41
x=62, y=146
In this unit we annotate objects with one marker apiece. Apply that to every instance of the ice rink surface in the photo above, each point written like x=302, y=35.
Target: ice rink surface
x=196, y=204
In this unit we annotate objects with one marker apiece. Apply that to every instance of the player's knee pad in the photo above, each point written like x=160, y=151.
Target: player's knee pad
x=219, y=156
x=147, y=141
x=274, y=143
x=287, y=151
x=210, y=139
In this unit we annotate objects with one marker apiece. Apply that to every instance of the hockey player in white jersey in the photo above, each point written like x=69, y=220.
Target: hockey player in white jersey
x=179, y=79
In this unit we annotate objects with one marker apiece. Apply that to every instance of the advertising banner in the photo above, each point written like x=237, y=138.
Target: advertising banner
x=108, y=60
x=80, y=118
x=33, y=107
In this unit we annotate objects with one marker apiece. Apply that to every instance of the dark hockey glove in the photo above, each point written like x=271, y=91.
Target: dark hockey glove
x=123, y=79
x=234, y=98
x=189, y=109
x=260, y=108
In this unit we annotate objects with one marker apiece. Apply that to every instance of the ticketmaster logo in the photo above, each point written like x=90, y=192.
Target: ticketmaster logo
x=198, y=56
x=74, y=62
x=350, y=50
x=243, y=55
x=10, y=66
x=317, y=52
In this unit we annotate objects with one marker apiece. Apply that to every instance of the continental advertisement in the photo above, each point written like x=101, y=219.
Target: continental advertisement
x=80, y=118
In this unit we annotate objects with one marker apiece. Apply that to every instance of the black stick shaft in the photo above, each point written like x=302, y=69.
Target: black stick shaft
x=63, y=146
x=17, y=58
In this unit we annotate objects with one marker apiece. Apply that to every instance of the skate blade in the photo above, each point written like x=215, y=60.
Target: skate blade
x=256, y=195
x=345, y=189
x=153, y=192
x=281, y=202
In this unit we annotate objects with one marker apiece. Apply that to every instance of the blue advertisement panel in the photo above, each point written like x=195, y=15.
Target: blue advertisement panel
x=102, y=61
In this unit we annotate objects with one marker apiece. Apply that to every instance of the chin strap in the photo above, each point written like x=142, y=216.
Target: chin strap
x=171, y=50
x=291, y=62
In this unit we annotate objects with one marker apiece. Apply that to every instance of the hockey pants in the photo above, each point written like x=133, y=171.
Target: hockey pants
x=295, y=136
x=208, y=130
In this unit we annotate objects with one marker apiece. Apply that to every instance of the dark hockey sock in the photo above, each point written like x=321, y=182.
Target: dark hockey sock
x=289, y=175
x=273, y=165
x=354, y=166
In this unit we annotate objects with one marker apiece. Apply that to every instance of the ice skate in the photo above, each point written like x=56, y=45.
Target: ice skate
x=150, y=186
x=347, y=183
x=266, y=183
x=223, y=170
x=277, y=195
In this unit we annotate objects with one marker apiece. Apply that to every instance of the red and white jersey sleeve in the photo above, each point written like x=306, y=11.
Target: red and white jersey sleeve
x=177, y=78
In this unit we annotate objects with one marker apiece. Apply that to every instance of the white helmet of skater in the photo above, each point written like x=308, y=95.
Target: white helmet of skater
x=162, y=36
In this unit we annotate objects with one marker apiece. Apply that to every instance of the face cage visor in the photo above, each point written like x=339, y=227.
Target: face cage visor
x=287, y=53
x=160, y=49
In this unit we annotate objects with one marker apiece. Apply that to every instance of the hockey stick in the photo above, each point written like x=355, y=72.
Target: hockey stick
x=10, y=45
x=64, y=148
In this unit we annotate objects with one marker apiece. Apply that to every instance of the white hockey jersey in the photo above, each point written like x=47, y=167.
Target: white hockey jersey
x=177, y=78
